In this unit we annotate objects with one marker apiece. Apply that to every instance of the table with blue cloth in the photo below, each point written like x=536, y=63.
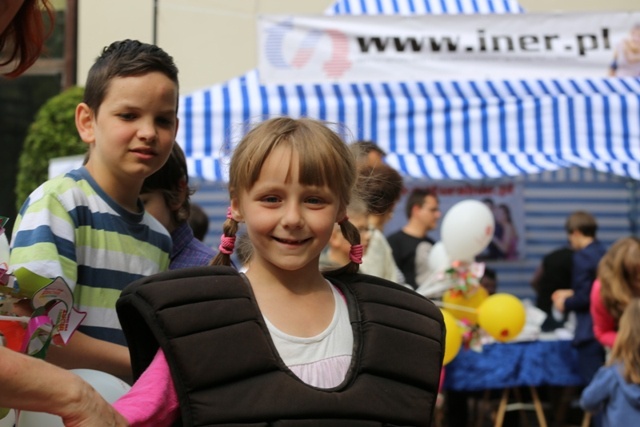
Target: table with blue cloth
x=509, y=366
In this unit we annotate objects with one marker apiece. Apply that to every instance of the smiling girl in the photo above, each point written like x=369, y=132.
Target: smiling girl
x=283, y=344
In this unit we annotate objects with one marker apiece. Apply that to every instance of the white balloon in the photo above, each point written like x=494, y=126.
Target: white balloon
x=467, y=228
x=439, y=258
x=109, y=387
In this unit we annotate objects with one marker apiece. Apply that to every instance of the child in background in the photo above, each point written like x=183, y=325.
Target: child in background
x=199, y=222
x=283, y=343
x=618, y=283
x=382, y=187
x=165, y=195
x=581, y=228
x=338, y=249
x=89, y=225
x=615, y=389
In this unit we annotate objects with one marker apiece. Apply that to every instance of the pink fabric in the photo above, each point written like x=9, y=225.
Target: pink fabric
x=605, y=327
x=152, y=401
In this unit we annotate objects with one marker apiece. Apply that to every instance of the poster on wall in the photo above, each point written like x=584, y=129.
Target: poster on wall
x=506, y=202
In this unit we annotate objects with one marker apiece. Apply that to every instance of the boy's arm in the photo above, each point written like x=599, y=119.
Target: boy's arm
x=34, y=385
x=85, y=352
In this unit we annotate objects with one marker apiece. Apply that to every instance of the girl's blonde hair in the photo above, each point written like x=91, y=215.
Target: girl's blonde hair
x=619, y=274
x=626, y=349
x=324, y=159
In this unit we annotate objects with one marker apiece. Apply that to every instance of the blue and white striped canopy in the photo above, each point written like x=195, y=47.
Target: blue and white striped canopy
x=457, y=130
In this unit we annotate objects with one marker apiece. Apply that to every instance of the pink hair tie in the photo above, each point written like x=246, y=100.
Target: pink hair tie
x=229, y=214
x=355, y=254
x=346, y=218
x=227, y=244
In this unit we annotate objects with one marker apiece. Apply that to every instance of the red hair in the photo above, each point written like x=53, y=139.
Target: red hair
x=25, y=35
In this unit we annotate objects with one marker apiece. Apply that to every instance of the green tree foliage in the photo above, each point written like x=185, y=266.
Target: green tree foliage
x=52, y=134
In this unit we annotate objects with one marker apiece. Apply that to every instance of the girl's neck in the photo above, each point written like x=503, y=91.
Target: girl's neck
x=267, y=276
x=299, y=303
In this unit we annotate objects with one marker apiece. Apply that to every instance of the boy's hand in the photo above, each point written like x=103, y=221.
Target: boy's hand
x=559, y=297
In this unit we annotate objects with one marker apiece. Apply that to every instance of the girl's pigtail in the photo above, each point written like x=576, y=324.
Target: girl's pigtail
x=227, y=241
x=351, y=233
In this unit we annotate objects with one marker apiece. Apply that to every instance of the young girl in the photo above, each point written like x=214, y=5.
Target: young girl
x=617, y=283
x=283, y=344
x=615, y=389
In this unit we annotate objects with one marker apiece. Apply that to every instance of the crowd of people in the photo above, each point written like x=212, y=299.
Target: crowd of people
x=277, y=312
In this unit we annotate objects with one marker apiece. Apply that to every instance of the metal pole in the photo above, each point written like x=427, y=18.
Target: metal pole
x=155, y=22
x=70, y=44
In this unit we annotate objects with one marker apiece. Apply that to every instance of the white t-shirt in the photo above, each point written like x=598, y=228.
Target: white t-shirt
x=321, y=361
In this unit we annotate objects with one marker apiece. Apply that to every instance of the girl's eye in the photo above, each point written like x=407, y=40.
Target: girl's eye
x=270, y=199
x=315, y=200
x=127, y=116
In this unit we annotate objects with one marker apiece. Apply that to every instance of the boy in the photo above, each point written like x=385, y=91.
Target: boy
x=89, y=226
x=165, y=195
x=581, y=228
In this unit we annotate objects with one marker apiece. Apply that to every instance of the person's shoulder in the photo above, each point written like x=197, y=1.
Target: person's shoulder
x=62, y=187
x=395, y=234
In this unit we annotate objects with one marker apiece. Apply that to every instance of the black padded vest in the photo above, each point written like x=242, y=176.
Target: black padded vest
x=227, y=371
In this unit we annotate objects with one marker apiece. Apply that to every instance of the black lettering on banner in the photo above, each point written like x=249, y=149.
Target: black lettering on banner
x=584, y=43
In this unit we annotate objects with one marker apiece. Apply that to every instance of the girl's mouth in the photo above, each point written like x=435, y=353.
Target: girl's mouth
x=290, y=242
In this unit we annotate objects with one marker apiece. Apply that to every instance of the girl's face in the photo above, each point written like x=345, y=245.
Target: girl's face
x=155, y=204
x=288, y=223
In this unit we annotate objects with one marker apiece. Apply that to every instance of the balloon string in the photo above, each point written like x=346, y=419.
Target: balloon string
x=455, y=306
x=22, y=319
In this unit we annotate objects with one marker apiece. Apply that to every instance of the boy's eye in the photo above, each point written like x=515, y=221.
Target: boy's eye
x=165, y=121
x=127, y=116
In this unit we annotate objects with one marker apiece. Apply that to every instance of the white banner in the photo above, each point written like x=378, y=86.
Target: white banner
x=320, y=49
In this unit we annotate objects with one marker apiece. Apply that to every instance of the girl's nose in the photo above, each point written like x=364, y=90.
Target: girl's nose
x=292, y=216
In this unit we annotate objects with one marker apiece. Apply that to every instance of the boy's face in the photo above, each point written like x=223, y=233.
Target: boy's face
x=134, y=131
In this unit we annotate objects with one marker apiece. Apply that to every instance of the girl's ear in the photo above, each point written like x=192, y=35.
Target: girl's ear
x=235, y=209
x=85, y=123
x=342, y=212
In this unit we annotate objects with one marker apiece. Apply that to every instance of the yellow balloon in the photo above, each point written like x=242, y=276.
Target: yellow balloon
x=470, y=300
x=453, y=340
x=502, y=316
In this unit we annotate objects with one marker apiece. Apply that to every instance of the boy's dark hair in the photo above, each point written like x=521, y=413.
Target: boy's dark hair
x=381, y=187
x=125, y=58
x=172, y=179
x=417, y=198
x=583, y=222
